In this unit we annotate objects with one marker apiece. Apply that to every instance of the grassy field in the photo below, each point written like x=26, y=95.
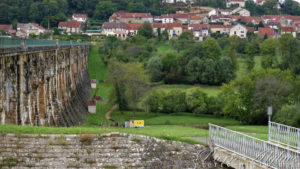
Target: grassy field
x=173, y=119
x=260, y=132
x=178, y=133
x=163, y=49
x=98, y=70
x=209, y=90
x=242, y=71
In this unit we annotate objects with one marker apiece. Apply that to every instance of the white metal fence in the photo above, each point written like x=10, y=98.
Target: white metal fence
x=265, y=153
x=283, y=134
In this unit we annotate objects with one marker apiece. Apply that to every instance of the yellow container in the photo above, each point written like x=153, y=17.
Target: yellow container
x=138, y=123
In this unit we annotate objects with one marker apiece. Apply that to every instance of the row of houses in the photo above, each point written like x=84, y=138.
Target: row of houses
x=229, y=3
x=223, y=21
x=174, y=30
x=25, y=29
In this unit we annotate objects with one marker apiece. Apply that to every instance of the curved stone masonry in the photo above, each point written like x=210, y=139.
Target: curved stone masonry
x=44, y=86
x=113, y=150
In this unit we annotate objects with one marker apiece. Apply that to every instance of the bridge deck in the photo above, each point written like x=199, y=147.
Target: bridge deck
x=262, y=152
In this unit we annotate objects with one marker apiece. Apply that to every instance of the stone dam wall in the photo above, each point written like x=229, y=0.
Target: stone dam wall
x=44, y=86
x=108, y=151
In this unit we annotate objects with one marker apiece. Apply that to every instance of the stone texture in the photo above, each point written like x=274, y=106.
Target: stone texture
x=44, y=86
x=112, y=150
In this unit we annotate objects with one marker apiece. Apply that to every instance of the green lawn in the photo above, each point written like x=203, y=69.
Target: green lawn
x=209, y=90
x=173, y=119
x=242, y=71
x=178, y=133
x=98, y=70
x=163, y=49
x=260, y=132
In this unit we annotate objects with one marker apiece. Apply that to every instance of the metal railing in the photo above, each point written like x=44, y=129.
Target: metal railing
x=284, y=134
x=262, y=152
x=9, y=43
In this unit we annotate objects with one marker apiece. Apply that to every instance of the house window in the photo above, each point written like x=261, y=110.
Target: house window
x=242, y=31
x=235, y=32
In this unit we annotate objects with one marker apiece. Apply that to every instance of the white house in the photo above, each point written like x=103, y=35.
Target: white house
x=239, y=3
x=71, y=26
x=241, y=11
x=238, y=30
x=80, y=17
x=29, y=28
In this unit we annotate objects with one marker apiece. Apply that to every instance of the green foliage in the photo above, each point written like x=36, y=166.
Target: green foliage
x=212, y=48
x=184, y=41
x=248, y=98
x=289, y=115
x=154, y=68
x=268, y=50
x=129, y=83
x=146, y=30
x=196, y=100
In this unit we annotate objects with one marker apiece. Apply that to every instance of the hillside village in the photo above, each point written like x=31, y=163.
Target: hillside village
x=201, y=21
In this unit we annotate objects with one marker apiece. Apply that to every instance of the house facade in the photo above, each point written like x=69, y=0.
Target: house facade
x=80, y=17
x=290, y=30
x=71, y=26
x=114, y=29
x=239, y=3
x=241, y=11
x=200, y=31
x=126, y=17
x=238, y=30
x=221, y=29
x=24, y=30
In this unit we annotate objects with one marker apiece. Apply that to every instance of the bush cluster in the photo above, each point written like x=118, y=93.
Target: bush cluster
x=192, y=100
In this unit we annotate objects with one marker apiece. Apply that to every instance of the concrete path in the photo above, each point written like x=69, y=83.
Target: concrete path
x=107, y=115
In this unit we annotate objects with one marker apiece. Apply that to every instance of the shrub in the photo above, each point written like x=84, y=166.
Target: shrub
x=289, y=115
x=196, y=100
x=86, y=139
x=174, y=101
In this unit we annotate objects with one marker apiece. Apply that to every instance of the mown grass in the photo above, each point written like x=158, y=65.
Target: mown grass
x=260, y=132
x=98, y=70
x=173, y=119
x=242, y=71
x=177, y=133
x=209, y=90
x=163, y=48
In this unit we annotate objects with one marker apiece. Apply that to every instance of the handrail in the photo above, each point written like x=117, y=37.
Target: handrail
x=11, y=43
x=284, y=134
x=260, y=151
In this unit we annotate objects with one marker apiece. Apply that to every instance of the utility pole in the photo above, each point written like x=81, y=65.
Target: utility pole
x=269, y=121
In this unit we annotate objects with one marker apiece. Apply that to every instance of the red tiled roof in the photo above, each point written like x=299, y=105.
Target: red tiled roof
x=236, y=17
x=224, y=10
x=79, y=15
x=260, y=1
x=266, y=31
x=199, y=26
x=97, y=98
x=167, y=25
x=220, y=16
x=133, y=26
x=111, y=25
x=70, y=24
x=195, y=17
x=6, y=28
x=38, y=26
x=92, y=103
x=12, y=31
x=157, y=25
x=250, y=29
x=288, y=29
x=135, y=15
x=221, y=26
x=173, y=25
x=248, y=19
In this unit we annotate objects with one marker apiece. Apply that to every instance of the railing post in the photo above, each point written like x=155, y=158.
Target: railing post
x=71, y=43
x=23, y=44
x=57, y=43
